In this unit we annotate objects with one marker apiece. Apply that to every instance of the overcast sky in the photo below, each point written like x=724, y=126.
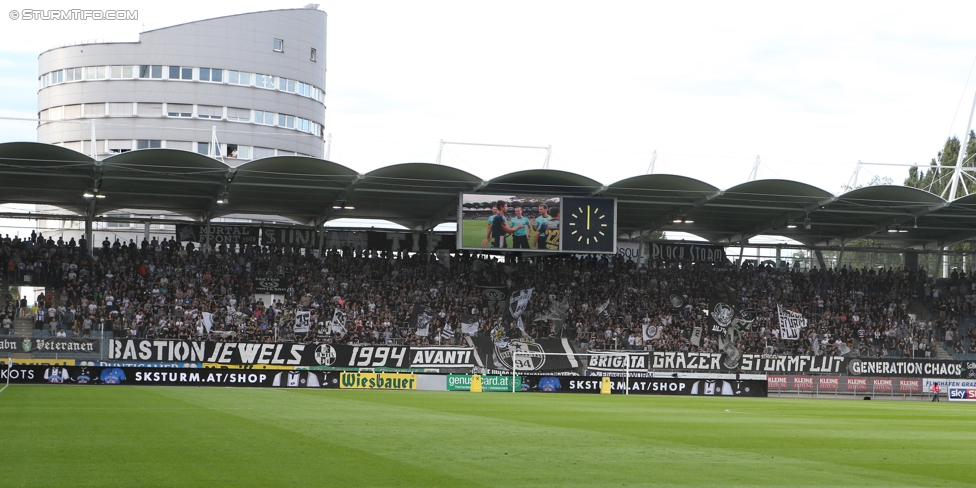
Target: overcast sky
x=709, y=86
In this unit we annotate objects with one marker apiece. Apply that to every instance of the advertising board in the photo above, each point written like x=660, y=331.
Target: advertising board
x=378, y=381
x=462, y=382
x=959, y=394
x=92, y=375
x=646, y=386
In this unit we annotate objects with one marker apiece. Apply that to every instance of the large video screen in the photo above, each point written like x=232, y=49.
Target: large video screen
x=509, y=222
x=574, y=224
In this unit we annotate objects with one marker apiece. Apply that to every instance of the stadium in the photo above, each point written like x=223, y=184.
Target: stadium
x=552, y=338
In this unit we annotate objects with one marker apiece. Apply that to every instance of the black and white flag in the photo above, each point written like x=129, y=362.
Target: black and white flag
x=338, y=324
x=208, y=321
x=557, y=314
x=601, y=311
x=696, y=336
x=790, y=323
x=421, y=318
x=443, y=257
x=447, y=332
x=677, y=301
x=652, y=331
x=469, y=324
x=518, y=301
x=721, y=311
x=303, y=322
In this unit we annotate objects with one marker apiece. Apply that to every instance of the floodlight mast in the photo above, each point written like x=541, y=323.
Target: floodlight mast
x=755, y=170
x=545, y=165
x=957, y=174
x=93, y=151
x=214, y=150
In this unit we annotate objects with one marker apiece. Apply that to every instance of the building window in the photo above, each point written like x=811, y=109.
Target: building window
x=120, y=109
x=121, y=72
x=313, y=54
x=210, y=112
x=95, y=73
x=73, y=145
x=52, y=78
x=72, y=111
x=179, y=110
x=180, y=73
x=264, y=81
x=232, y=151
x=151, y=71
x=263, y=152
x=55, y=113
x=150, y=109
x=180, y=145
x=286, y=121
x=239, y=78
x=211, y=74
x=279, y=46
x=148, y=144
x=265, y=118
x=203, y=148
x=238, y=114
x=287, y=85
x=73, y=74
x=119, y=147
x=93, y=110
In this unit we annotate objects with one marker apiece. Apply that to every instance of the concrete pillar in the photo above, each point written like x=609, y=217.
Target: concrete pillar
x=820, y=259
x=206, y=239
x=89, y=237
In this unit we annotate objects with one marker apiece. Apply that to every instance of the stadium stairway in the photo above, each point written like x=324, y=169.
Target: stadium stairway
x=921, y=312
x=21, y=327
x=915, y=306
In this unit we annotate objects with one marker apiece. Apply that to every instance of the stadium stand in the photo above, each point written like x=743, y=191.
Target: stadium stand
x=162, y=289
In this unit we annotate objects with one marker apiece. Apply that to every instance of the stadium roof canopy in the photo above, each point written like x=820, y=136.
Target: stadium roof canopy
x=419, y=196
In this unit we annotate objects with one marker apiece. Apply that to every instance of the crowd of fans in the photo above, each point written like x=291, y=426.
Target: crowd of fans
x=163, y=289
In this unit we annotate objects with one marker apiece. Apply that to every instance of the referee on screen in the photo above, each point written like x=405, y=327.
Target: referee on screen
x=520, y=240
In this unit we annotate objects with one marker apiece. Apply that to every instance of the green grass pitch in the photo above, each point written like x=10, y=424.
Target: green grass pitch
x=473, y=233
x=173, y=436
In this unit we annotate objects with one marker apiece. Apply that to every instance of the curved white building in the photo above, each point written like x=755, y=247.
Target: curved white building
x=258, y=78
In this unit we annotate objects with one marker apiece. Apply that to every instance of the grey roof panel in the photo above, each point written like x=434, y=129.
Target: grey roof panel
x=421, y=195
